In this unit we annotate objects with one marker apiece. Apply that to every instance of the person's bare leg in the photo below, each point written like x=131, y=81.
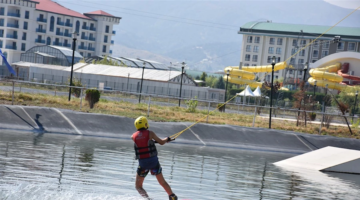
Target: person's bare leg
x=164, y=184
x=139, y=186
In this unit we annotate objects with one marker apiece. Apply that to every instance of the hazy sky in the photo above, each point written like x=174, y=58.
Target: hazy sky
x=351, y=4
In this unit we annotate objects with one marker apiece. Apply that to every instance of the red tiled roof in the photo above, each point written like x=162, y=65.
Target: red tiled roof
x=100, y=12
x=50, y=6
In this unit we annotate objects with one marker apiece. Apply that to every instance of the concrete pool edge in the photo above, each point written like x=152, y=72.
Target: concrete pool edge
x=52, y=120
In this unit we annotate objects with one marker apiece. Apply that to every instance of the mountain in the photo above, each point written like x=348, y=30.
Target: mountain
x=204, y=33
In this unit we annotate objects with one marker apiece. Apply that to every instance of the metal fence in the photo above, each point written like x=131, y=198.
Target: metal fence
x=255, y=108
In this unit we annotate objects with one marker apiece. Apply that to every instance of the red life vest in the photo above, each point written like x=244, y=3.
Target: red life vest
x=144, y=147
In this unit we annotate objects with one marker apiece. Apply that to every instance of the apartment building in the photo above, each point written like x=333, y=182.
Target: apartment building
x=28, y=23
x=263, y=40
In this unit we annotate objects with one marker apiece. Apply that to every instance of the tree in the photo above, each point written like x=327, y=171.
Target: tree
x=210, y=81
x=92, y=96
x=347, y=97
x=220, y=83
x=203, y=76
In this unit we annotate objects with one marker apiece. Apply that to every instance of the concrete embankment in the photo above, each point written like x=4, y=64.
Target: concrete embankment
x=52, y=120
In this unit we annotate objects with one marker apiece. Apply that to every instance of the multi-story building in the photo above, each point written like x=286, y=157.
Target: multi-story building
x=263, y=40
x=28, y=23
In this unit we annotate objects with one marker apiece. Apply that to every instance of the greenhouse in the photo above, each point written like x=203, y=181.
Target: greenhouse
x=51, y=55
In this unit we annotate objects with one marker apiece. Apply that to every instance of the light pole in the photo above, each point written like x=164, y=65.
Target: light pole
x=272, y=86
x=142, y=79
x=127, y=85
x=227, y=80
x=356, y=95
x=182, y=73
x=72, y=64
x=305, y=69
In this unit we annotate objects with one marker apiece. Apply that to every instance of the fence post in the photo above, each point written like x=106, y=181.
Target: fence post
x=149, y=106
x=254, y=117
x=207, y=117
x=322, y=119
x=81, y=97
x=20, y=87
x=13, y=93
x=55, y=90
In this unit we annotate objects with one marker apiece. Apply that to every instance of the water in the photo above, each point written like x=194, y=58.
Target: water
x=52, y=166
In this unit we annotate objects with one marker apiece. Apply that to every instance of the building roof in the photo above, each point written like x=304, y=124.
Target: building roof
x=100, y=12
x=294, y=29
x=50, y=6
x=108, y=70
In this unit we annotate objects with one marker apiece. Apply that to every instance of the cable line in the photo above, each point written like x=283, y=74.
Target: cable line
x=181, y=132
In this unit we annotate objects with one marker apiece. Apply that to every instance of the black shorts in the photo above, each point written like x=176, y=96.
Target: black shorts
x=154, y=171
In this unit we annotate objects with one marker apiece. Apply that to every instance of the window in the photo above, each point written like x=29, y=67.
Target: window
x=84, y=25
x=248, y=48
x=48, y=41
x=301, y=61
x=272, y=41
x=91, y=26
x=325, y=53
x=303, y=42
x=326, y=44
x=279, y=41
x=65, y=42
x=52, y=23
x=291, y=71
x=300, y=73
x=294, y=43
x=2, y=22
x=25, y=25
x=246, y=64
x=271, y=50
x=105, y=38
x=2, y=11
x=293, y=51
x=351, y=46
x=269, y=59
x=249, y=39
x=27, y=14
x=77, y=27
x=278, y=50
x=292, y=61
x=257, y=40
x=67, y=22
x=253, y=65
x=89, y=55
x=24, y=36
x=254, y=58
x=23, y=47
x=316, y=44
x=302, y=52
x=247, y=57
x=41, y=17
x=315, y=53
x=278, y=59
x=104, y=48
x=313, y=61
x=107, y=29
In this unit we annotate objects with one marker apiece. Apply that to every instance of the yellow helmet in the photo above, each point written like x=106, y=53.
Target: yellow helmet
x=141, y=122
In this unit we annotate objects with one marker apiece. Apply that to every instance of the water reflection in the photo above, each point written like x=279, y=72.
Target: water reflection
x=60, y=166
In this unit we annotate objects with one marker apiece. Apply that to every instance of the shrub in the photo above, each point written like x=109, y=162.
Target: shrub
x=191, y=105
x=312, y=116
x=25, y=97
x=92, y=96
x=76, y=91
x=221, y=107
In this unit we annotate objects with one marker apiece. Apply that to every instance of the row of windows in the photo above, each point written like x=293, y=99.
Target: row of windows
x=13, y=46
x=14, y=13
x=18, y=2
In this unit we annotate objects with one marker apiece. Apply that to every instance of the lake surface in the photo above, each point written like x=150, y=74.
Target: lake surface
x=53, y=166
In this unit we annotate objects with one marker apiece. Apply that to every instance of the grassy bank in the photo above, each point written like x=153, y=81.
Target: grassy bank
x=168, y=114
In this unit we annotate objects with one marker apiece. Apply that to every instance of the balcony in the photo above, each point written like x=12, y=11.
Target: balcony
x=39, y=41
x=110, y=51
x=83, y=37
x=83, y=47
x=13, y=36
x=85, y=27
x=60, y=23
x=112, y=42
x=41, y=20
x=11, y=47
x=91, y=48
x=67, y=45
x=92, y=29
x=11, y=25
x=91, y=38
x=67, y=35
x=40, y=30
x=13, y=14
x=68, y=25
x=59, y=33
x=57, y=43
x=113, y=32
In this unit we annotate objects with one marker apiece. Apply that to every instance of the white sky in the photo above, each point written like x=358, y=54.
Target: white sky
x=351, y=4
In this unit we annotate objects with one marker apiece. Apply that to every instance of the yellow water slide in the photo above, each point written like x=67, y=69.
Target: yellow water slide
x=246, y=74
x=327, y=76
